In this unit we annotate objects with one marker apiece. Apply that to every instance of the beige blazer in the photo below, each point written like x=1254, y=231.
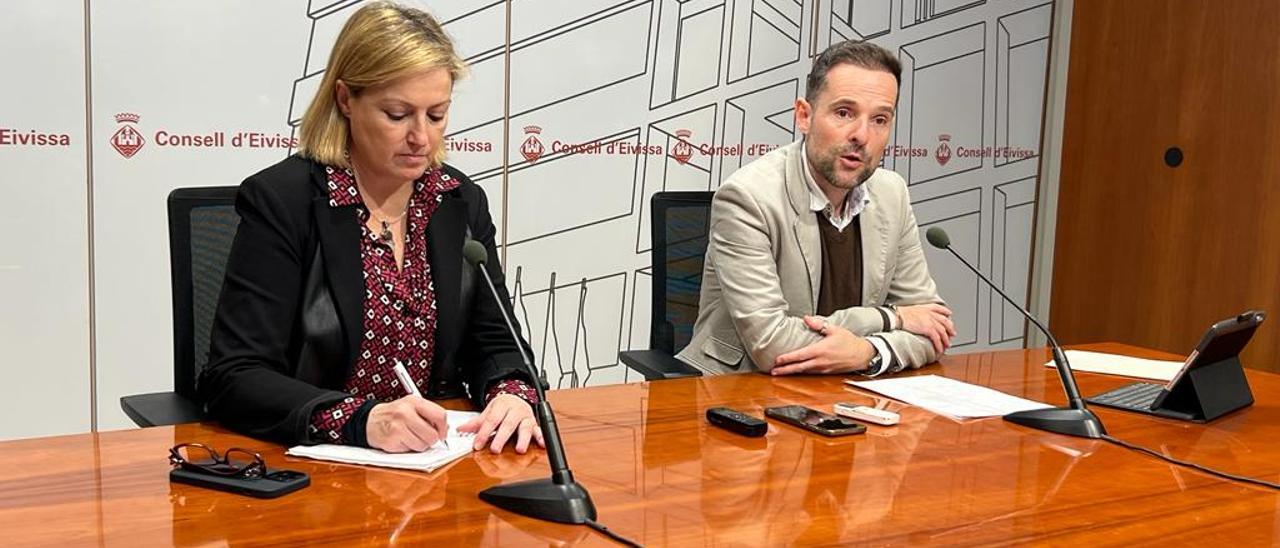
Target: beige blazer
x=764, y=262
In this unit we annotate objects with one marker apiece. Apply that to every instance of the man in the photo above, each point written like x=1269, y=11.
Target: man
x=814, y=263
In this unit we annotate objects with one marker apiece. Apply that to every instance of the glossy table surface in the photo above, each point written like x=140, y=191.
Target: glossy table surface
x=660, y=475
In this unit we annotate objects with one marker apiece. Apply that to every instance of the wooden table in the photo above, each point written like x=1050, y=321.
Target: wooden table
x=661, y=476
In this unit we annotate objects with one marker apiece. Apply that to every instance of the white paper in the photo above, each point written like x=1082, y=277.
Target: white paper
x=455, y=445
x=1115, y=364
x=949, y=397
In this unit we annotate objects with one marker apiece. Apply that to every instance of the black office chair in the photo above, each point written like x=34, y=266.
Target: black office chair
x=680, y=221
x=202, y=225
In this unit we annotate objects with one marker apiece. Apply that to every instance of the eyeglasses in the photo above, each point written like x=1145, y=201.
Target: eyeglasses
x=236, y=462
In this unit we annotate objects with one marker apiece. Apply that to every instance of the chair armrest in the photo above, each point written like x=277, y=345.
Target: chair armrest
x=657, y=365
x=160, y=409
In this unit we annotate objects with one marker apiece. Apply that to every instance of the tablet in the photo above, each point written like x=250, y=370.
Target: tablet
x=1224, y=340
x=1210, y=383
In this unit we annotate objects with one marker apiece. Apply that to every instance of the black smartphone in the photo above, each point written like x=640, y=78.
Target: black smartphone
x=814, y=420
x=275, y=483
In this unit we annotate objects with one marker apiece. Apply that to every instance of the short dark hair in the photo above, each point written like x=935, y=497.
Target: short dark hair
x=857, y=53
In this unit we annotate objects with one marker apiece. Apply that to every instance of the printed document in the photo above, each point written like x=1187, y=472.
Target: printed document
x=1115, y=364
x=949, y=397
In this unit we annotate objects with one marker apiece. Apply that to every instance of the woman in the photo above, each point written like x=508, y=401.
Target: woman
x=348, y=261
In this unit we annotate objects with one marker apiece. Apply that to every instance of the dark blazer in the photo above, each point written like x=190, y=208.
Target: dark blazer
x=289, y=320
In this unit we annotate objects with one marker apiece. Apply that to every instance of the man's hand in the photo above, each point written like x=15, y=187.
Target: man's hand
x=929, y=320
x=407, y=424
x=505, y=415
x=839, y=351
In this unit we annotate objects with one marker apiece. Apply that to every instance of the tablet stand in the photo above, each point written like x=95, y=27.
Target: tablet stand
x=1210, y=391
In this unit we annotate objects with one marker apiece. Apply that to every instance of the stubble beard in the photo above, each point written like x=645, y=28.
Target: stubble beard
x=825, y=165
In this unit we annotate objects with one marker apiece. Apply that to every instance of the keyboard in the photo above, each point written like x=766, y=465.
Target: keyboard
x=1138, y=396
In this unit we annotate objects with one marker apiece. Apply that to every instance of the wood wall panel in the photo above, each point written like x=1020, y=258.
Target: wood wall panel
x=1148, y=254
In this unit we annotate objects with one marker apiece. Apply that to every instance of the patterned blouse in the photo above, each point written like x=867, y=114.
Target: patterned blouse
x=399, y=310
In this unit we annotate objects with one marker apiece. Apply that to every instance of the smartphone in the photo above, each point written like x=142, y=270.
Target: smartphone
x=814, y=420
x=275, y=483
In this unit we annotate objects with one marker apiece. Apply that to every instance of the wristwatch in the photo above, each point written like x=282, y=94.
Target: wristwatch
x=876, y=366
x=880, y=361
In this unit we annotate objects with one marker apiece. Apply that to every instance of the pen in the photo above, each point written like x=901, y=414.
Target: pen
x=410, y=387
x=406, y=380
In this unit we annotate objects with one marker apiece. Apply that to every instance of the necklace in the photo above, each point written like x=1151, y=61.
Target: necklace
x=385, y=233
x=385, y=222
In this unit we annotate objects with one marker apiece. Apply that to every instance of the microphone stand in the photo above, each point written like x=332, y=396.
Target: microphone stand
x=1074, y=420
x=559, y=498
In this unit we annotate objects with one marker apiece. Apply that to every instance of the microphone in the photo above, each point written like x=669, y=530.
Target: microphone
x=476, y=255
x=559, y=498
x=1074, y=420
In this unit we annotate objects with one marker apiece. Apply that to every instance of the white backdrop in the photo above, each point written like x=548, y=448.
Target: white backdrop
x=185, y=69
x=44, y=256
x=601, y=94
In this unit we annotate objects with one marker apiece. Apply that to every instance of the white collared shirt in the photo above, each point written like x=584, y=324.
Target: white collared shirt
x=854, y=202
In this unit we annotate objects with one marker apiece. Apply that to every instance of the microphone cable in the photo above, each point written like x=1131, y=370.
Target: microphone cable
x=612, y=535
x=1192, y=465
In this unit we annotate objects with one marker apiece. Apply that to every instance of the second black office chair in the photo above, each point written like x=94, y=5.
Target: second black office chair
x=202, y=225
x=679, y=225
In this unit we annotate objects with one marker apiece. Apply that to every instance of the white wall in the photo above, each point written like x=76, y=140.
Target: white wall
x=44, y=272
x=633, y=72
x=185, y=68
x=1051, y=168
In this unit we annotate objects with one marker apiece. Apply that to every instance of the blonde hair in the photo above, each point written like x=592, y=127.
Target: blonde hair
x=381, y=42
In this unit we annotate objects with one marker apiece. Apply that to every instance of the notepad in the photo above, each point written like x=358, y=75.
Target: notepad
x=1114, y=364
x=455, y=446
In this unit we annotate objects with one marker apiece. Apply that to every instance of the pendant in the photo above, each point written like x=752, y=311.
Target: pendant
x=386, y=232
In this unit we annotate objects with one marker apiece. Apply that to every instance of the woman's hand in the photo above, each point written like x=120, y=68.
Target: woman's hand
x=505, y=415
x=407, y=424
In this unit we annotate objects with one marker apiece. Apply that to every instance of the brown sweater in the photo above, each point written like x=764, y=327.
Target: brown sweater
x=841, y=265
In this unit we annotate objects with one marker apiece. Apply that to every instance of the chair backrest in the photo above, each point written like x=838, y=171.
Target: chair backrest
x=202, y=225
x=679, y=235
